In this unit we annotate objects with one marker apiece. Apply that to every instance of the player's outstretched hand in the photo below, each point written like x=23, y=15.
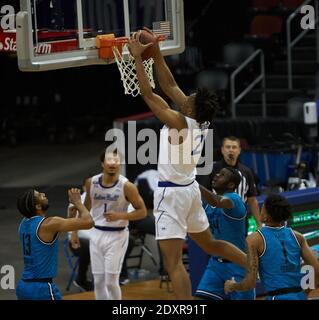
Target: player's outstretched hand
x=228, y=286
x=75, y=240
x=74, y=196
x=151, y=32
x=135, y=47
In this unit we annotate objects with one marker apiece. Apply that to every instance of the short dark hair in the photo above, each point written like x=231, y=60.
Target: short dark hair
x=235, y=177
x=26, y=203
x=231, y=138
x=277, y=207
x=206, y=105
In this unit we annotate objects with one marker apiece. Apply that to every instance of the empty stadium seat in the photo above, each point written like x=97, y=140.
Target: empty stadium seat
x=235, y=53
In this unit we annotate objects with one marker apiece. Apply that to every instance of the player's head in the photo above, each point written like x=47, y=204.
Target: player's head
x=111, y=162
x=32, y=202
x=227, y=179
x=231, y=148
x=276, y=208
x=204, y=105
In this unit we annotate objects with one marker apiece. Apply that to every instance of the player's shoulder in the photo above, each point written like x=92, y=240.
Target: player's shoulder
x=299, y=236
x=123, y=179
x=254, y=238
x=191, y=123
x=128, y=185
x=234, y=197
x=95, y=180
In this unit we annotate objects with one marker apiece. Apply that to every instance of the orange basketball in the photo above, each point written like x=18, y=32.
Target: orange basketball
x=146, y=38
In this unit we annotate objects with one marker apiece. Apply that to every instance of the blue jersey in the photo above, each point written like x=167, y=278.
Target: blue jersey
x=40, y=258
x=279, y=264
x=229, y=224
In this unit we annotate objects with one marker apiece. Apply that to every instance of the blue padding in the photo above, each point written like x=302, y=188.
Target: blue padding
x=297, y=197
x=273, y=165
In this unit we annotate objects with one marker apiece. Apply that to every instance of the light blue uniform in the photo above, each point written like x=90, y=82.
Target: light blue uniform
x=228, y=225
x=40, y=263
x=279, y=264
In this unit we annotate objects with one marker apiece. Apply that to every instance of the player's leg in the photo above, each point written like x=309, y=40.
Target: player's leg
x=219, y=248
x=37, y=291
x=172, y=254
x=97, y=265
x=113, y=260
x=171, y=207
x=211, y=285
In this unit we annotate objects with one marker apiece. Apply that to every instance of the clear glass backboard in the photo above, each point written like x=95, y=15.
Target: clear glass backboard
x=55, y=34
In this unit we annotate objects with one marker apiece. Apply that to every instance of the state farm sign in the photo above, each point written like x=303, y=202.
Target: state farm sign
x=8, y=43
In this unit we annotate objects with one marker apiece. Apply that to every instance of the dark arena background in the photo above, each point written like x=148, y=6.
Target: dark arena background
x=53, y=123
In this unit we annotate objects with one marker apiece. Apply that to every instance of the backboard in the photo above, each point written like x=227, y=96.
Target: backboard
x=56, y=34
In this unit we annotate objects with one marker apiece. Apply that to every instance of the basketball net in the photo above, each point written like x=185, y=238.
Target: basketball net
x=128, y=73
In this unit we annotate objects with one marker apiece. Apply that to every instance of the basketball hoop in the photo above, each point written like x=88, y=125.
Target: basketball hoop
x=112, y=48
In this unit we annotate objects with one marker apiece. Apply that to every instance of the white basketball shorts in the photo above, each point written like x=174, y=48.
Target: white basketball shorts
x=178, y=211
x=107, y=250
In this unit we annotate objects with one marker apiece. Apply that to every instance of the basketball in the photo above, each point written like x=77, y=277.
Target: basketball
x=146, y=38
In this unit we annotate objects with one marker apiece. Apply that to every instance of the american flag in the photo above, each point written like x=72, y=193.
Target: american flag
x=162, y=28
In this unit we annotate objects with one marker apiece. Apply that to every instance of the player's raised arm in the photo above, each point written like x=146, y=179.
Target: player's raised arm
x=249, y=282
x=165, y=77
x=159, y=106
x=84, y=220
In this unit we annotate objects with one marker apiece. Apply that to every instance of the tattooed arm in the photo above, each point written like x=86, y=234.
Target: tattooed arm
x=249, y=282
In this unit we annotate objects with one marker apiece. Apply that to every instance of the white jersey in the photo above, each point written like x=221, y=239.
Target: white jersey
x=177, y=163
x=105, y=199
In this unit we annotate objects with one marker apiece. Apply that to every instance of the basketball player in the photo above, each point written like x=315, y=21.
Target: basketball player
x=275, y=251
x=177, y=200
x=108, y=197
x=38, y=236
x=226, y=212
